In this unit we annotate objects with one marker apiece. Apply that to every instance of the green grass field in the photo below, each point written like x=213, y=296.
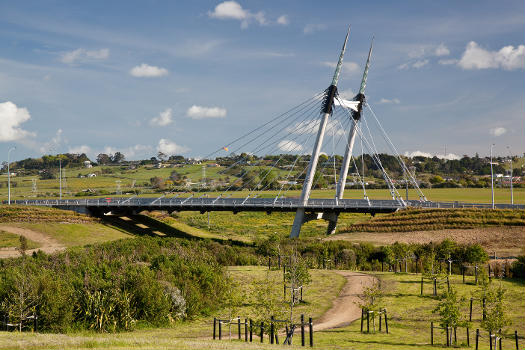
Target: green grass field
x=10, y=240
x=409, y=313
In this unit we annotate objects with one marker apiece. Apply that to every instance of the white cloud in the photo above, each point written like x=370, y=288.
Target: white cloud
x=233, y=10
x=347, y=94
x=448, y=156
x=11, y=117
x=498, y=131
x=289, y=146
x=312, y=126
x=312, y=28
x=386, y=101
x=53, y=145
x=348, y=68
x=170, y=148
x=441, y=50
x=147, y=71
x=83, y=55
x=163, y=119
x=80, y=149
x=508, y=57
x=420, y=63
x=448, y=61
x=199, y=112
x=283, y=20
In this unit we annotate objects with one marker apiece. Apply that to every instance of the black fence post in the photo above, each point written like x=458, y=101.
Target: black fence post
x=386, y=321
x=301, y=300
x=279, y=260
x=311, y=331
x=484, y=309
x=435, y=286
x=463, y=273
x=516, y=338
x=262, y=331
x=367, y=321
x=421, y=285
x=214, y=326
x=380, y=315
x=455, y=335
x=284, y=291
x=500, y=348
x=477, y=338
x=251, y=330
x=239, y=327
x=476, y=275
x=431, y=333
x=302, y=330
x=271, y=329
x=468, y=337
x=220, y=329
x=470, y=316
x=448, y=339
x=448, y=284
x=269, y=263
x=246, y=330
x=362, y=317
x=490, y=340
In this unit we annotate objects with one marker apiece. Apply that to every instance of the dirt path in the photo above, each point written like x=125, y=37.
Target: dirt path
x=345, y=309
x=47, y=244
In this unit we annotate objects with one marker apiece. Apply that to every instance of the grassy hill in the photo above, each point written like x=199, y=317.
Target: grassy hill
x=437, y=219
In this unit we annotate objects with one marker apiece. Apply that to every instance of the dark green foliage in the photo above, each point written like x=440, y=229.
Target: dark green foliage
x=111, y=286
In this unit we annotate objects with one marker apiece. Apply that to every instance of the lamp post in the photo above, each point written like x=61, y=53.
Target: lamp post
x=511, y=173
x=491, y=176
x=9, y=176
x=60, y=176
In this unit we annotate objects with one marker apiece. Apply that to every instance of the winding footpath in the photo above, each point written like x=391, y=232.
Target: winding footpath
x=47, y=244
x=345, y=307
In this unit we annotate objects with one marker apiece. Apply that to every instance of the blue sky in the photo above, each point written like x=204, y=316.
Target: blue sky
x=187, y=77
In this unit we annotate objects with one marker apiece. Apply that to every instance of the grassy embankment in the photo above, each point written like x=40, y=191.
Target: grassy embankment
x=409, y=320
x=66, y=227
x=437, y=219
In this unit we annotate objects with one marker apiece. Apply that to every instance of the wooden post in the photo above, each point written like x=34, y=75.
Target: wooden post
x=500, y=348
x=279, y=260
x=421, y=285
x=435, y=286
x=362, y=317
x=220, y=329
x=463, y=273
x=477, y=338
x=455, y=335
x=367, y=321
x=490, y=340
x=269, y=263
x=262, y=332
x=311, y=331
x=431, y=333
x=382, y=266
x=448, y=284
x=246, y=330
x=386, y=321
x=284, y=291
x=448, y=339
x=214, y=326
x=470, y=316
x=271, y=329
x=476, y=274
x=468, y=337
x=380, y=315
x=490, y=279
x=516, y=338
x=302, y=330
x=239, y=327
x=251, y=330
x=484, y=310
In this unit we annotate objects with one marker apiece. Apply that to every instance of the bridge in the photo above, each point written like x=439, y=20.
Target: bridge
x=316, y=208
x=288, y=136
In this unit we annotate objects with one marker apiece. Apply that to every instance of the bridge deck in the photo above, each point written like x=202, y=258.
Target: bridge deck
x=248, y=204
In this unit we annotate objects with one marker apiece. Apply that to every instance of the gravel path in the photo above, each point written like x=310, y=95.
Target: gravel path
x=345, y=309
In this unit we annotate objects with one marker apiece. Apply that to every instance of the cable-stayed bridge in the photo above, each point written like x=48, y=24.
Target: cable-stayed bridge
x=298, y=147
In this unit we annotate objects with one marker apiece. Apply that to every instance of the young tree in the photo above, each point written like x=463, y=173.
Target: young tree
x=297, y=276
x=449, y=310
x=371, y=300
x=267, y=299
x=233, y=299
x=496, y=309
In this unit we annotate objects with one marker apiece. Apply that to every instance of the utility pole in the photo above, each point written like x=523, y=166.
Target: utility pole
x=9, y=176
x=325, y=113
x=511, y=175
x=491, y=176
x=60, y=175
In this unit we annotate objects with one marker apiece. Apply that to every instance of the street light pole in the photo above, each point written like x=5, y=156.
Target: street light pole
x=491, y=176
x=9, y=176
x=60, y=175
x=511, y=173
